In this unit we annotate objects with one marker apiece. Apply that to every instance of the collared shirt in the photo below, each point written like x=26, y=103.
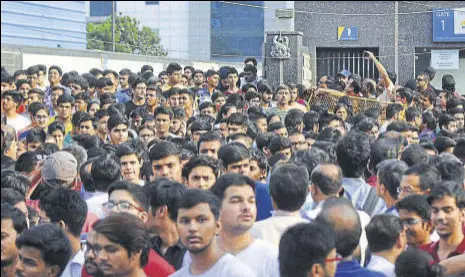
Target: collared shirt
x=433, y=248
x=173, y=255
x=380, y=264
x=74, y=266
x=357, y=191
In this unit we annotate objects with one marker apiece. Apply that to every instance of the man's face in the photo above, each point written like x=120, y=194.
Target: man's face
x=287, y=152
x=425, y=102
x=64, y=110
x=123, y=81
x=33, y=79
x=409, y=185
x=90, y=263
x=254, y=102
x=120, y=197
x=241, y=167
x=175, y=77
x=113, y=79
x=213, y=80
x=414, y=138
x=5, y=86
x=421, y=82
x=8, y=103
x=80, y=105
x=197, y=227
x=184, y=100
x=174, y=101
x=262, y=125
x=196, y=135
x=93, y=109
x=32, y=146
x=55, y=94
x=59, y=138
x=9, y=235
x=33, y=98
x=446, y=217
x=103, y=125
x=188, y=73
x=24, y=90
x=267, y=97
x=281, y=132
x=86, y=127
x=41, y=77
x=41, y=119
x=31, y=264
x=198, y=79
x=255, y=171
x=75, y=88
x=130, y=168
x=119, y=134
x=201, y=177
x=249, y=76
x=452, y=126
x=219, y=102
x=162, y=123
x=169, y=167
x=283, y=96
x=298, y=142
x=459, y=118
x=164, y=79
x=232, y=79
x=140, y=91
x=210, y=148
x=209, y=111
x=236, y=129
x=152, y=99
x=418, y=231
x=238, y=209
x=147, y=135
x=112, y=258
x=53, y=76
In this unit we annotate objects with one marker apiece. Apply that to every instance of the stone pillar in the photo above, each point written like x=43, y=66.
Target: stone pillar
x=284, y=58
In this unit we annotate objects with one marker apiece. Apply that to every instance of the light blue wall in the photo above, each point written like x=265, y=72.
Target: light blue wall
x=44, y=23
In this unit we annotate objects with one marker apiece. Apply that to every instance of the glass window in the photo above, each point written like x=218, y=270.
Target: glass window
x=100, y=8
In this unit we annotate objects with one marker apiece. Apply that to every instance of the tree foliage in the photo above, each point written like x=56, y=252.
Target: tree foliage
x=129, y=37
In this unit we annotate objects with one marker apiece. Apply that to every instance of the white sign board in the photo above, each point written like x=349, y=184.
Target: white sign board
x=459, y=21
x=445, y=59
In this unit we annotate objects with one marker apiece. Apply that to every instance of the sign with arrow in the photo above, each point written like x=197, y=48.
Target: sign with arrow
x=347, y=33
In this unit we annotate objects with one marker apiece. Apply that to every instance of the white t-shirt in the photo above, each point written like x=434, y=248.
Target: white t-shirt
x=380, y=264
x=260, y=257
x=19, y=123
x=226, y=266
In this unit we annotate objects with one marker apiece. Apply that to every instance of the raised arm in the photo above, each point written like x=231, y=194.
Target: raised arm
x=382, y=71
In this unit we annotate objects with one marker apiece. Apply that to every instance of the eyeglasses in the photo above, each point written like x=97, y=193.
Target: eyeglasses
x=297, y=143
x=420, y=79
x=337, y=259
x=410, y=221
x=121, y=206
x=406, y=189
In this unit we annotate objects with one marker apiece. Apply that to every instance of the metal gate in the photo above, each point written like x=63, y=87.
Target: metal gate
x=330, y=61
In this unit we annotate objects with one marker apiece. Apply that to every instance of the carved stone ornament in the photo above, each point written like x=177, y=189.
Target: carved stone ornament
x=280, y=47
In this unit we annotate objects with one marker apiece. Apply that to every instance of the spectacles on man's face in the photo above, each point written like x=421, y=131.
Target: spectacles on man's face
x=122, y=206
x=410, y=221
x=406, y=189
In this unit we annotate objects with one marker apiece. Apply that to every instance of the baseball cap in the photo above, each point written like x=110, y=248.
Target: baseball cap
x=345, y=73
x=61, y=166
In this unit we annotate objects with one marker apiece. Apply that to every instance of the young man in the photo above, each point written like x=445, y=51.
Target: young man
x=88, y=125
x=283, y=96
x=308, y=250
x=163, y=117
x=415, y=213
x=65, y=105
x=138, y=101
x=164, y=196
x=387, y=240
x=233, y=77
x=118, y=129
x=209, y=144
x=288, y=189
x=178, y=122
x=102, y=130
x=298, y=142
x=447, y=201
x=39, y=115
x=418, y=179
x=200, y=172
x=10, y=102
x=388, y=181
x=68, y=210
x=131, y=163
x=237, y=123
x=206, y=93
x=174, y=72
x=44, y=250
x=13, y=224
x=153, y=98
x=198, y=223
x=166, y=161
x=198, y=79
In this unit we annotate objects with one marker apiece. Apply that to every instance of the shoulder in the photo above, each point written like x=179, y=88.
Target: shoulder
x=233, y=267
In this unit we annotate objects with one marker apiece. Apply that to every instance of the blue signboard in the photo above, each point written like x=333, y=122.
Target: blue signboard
x=449, y=25
x=347, y=33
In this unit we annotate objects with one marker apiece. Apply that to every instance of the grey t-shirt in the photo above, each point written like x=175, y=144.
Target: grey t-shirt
x=226, y=266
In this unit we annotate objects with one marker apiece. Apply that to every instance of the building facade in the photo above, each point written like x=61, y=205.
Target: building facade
x=55, y=24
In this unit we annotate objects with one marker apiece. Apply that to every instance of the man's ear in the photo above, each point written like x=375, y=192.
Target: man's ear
x=53, y=270
x=62, y=225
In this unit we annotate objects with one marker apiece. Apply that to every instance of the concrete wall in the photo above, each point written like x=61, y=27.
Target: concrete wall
x=415, y=30
x=44, y=23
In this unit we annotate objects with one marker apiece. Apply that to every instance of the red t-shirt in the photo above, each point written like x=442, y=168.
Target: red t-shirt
x=432, y=249
x=156, y=267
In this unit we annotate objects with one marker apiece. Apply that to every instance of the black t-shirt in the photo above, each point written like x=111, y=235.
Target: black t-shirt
x=130, y=106
x=174, y=254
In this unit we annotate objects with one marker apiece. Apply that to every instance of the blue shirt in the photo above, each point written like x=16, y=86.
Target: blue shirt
x=122, y=97
x=353, y=269
x=263, y=200
x=357, y=191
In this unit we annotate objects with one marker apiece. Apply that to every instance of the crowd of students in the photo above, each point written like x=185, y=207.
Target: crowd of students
x=218, y=173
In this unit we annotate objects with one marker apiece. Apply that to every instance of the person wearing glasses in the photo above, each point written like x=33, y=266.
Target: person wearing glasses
x=418, y=179
x=388, y=181
x=39, y=115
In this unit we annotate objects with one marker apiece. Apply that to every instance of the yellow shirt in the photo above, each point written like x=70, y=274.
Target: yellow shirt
x=68, y=126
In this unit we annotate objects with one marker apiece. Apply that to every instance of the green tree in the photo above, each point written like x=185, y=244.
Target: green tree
x=129, y=38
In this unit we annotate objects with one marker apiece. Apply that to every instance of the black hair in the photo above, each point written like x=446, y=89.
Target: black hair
x=310, y=158
x=329, y=184
x=392, y=110
x=399, y=126
x=137, y=192
x=383, y=149
x=17, y=217
x=289, y=186
x=459, y=149
x=17, y=97
x=304, y=245
x=35, y=107
x=210, y=136
x=411, y=113
x=390, y=174
x=251, y=59
x=448, y=83
x=238, y=119
x=329, y=134
x=353, y=153
x=383, y=231
x=164, y=192
x=65, y=205
x=445, y=120
x=15, y=180
x=415, y=262
x=201, y=125
x=133, y=237
x=229, y=154
x=451, y=168
x=414, y=154
x=429, y=175
x=251, y=68
x=194, y=197
x=453, y=102
x=275, y=126
x=162, y=150
x=95, y=71
x=91, y=80
x=11, y=196
x=56, y=125
x=105, y=171
x=65, y=98
x=163, y=110
x=107, y=98
x=116, y=120
x=442, y=143
x=200, y=161
x=448, y=188
x=27, y=162
x=416, y=203
x=51, y=241
x=429, y=120
x=325, y=118
x=46, y=149
x=279, y=143
x=173, y=67
x=236, y=100
x=229, y=180
x=293, y=119
x=260, y=157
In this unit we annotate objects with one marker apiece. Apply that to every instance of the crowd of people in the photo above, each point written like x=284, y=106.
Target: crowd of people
x=218, y=173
